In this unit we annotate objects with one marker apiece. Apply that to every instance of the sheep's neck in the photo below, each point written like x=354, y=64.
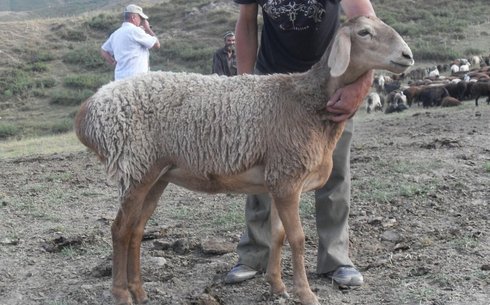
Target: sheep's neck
x=319, y=74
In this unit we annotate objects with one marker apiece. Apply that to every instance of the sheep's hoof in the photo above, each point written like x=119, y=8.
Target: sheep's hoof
x=139, y=295
x=308, y=298
x=121, y=296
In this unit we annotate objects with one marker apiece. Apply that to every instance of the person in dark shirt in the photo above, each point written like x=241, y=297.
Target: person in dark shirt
x=295, y=34
x=224, y=59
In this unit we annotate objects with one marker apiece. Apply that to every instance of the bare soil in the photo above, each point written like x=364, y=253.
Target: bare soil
x=419, y=224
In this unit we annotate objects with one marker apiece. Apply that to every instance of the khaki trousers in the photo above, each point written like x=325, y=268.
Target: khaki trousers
x=332, y=204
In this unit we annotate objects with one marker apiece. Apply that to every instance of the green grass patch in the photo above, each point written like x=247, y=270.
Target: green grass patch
x=69, y=97
x=104, y=23
x=84, y=57
x=85, y=81
x=15, y=82
x=8, y=130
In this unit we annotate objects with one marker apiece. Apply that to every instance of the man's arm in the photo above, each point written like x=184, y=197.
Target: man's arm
x=345, y=101
x=108, y=57
x=246, y=38
x=149, y=31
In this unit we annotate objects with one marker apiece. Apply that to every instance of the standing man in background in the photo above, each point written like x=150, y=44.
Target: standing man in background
x=224, y=59
x=294, y=36
x=128, y=47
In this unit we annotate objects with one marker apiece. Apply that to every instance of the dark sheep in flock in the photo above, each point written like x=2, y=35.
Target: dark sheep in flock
x=479, y=89
x=244, y=134
x=412, y=94
x=457, y=90
x=432, y=96
x=391, y=86
x=450, y=101
x=396, y=101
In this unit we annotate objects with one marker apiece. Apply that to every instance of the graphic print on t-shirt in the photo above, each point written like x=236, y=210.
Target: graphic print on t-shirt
x=294, y=16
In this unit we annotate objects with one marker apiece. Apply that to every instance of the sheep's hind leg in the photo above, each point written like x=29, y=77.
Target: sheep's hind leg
x=288, y=210
x=135, y=284
x=136, y=207
x=273, y=274
x=122, y=231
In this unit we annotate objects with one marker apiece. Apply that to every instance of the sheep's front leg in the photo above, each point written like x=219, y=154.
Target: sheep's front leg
x=288, y=211
x=135, y=284
x=273, y=274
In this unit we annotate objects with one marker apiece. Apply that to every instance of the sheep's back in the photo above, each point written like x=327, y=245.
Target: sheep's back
x=206, y=124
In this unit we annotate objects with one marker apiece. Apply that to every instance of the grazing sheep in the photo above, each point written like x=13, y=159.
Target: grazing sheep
x=412, y=93
x=449, y=101
x=243, y=134
x=480, y=89
x=432, y=96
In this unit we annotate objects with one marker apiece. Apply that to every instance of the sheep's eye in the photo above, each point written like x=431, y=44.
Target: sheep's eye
x=363, y=33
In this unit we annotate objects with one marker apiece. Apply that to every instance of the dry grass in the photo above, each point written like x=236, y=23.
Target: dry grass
x=63, y=143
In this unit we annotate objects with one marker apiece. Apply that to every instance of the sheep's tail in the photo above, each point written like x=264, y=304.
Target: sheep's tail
x=93, y=135
x=81, y=129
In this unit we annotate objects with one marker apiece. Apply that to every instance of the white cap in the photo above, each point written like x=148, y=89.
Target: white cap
x=132, y=8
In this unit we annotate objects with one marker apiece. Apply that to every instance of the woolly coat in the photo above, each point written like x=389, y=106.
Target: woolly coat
x=210, y=125
x=213, y=127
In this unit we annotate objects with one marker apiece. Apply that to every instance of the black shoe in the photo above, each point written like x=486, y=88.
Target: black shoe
x=240, y=273
x=346, y=277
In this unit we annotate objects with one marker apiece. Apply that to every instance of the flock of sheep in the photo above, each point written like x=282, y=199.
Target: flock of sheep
x=445, y=85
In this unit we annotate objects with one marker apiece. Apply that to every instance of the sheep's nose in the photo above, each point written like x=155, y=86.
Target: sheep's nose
x=407, y=54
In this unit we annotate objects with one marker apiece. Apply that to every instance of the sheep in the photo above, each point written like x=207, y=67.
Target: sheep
x=379, y=83
x=476, y=60
x=464, y=68
x=373, y=102
x=242, y=134
x=432, y=95
x=434, y=73
x=450, y=101
x=454, y=69
x=479, y=89
x=411, y=94
x=396, y=101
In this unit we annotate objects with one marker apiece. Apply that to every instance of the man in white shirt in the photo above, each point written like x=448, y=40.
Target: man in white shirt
x=128, y=47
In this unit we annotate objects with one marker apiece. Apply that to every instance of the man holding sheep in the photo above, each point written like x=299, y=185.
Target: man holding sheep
x=295, y=34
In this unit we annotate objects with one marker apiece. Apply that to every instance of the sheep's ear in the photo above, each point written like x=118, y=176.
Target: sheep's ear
x=339, y=57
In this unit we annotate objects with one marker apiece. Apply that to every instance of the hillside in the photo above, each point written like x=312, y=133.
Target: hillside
x=49, y=60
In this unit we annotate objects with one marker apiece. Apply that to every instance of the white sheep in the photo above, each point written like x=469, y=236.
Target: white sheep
x=434, y=73
x=454, y=68
x=244, y=134
x=373, y=102
x=464, y=68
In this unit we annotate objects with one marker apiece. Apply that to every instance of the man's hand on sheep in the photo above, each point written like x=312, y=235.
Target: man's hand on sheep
x=346, y=100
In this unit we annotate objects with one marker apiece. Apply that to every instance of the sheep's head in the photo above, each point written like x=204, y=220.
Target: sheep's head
x=366, y=43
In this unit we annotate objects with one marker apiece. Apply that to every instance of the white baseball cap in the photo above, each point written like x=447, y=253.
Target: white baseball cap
x=132, y=8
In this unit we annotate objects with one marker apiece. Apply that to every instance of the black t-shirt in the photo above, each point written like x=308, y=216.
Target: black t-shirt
x=295, y=34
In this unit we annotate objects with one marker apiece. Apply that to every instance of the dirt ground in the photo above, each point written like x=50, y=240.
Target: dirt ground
x=419, y=224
